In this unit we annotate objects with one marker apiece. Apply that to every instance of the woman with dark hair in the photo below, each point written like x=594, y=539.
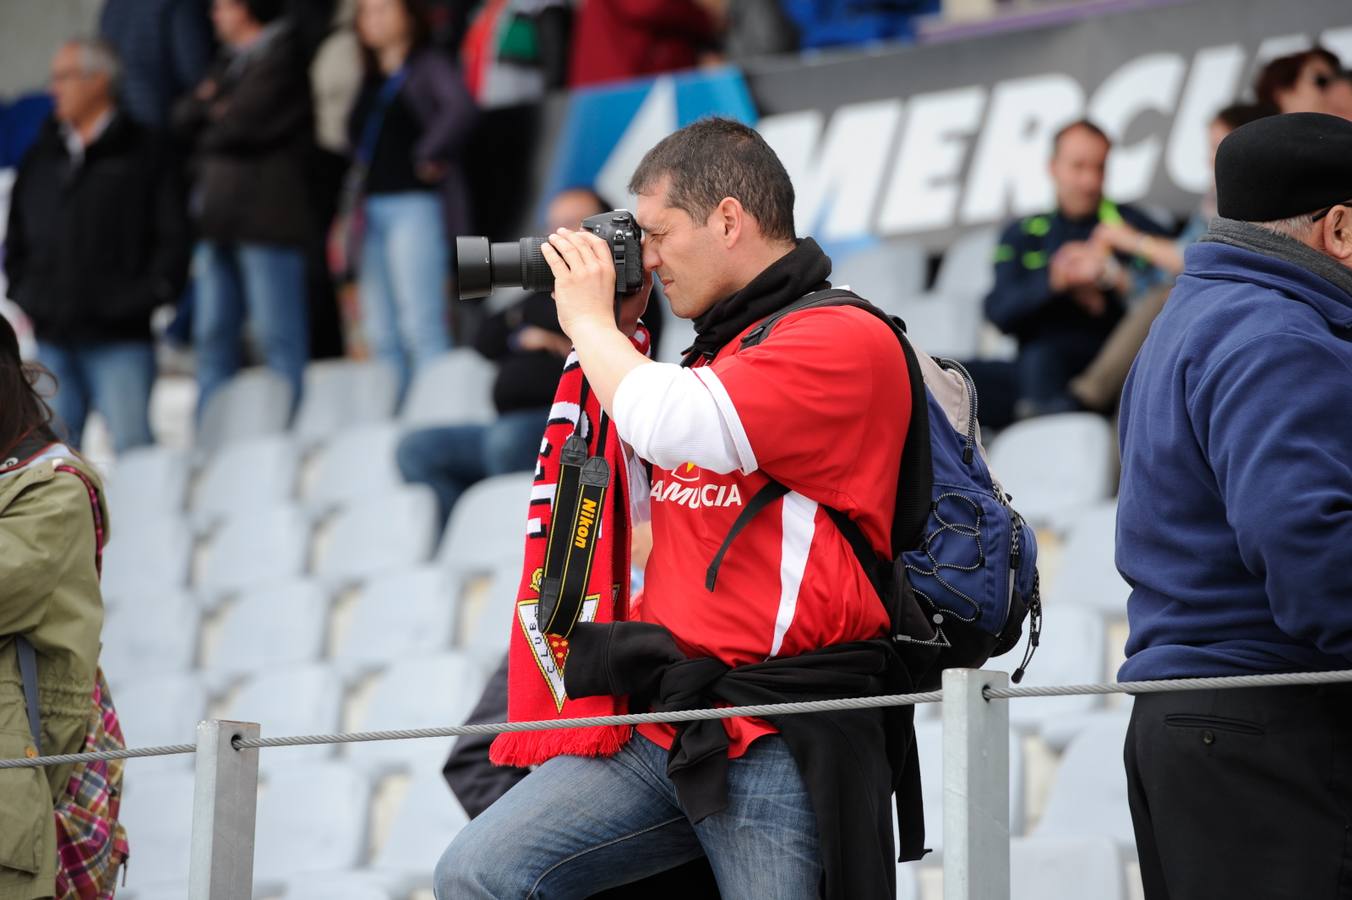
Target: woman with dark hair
x=51, y=527
x=408, y=128
x=1298, y=82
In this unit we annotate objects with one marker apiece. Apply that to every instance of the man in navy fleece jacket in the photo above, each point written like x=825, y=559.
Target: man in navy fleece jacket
x=1235, y=532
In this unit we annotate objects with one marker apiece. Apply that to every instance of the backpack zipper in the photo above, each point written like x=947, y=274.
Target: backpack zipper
x=969, y=443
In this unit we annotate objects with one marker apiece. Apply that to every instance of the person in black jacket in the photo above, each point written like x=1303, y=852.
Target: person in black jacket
x=251, y=121
x=97, y=239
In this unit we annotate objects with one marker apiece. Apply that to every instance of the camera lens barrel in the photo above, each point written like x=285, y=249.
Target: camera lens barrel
x=484, y=266
x=535, y=272
x=474, y=262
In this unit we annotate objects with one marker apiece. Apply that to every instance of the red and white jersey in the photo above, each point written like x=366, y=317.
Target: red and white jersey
x=821, y=406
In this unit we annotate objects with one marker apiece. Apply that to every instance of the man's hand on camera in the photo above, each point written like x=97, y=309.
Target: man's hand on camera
x=584, y=296
x=584, y=279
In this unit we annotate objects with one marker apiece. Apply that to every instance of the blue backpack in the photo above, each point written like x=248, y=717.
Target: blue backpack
x=965, y=576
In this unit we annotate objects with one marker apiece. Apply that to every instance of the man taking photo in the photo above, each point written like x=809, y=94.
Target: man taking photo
x=821, y=406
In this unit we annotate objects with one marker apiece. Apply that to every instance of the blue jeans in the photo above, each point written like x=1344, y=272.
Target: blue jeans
x=115, y=378
x=577, y=825
x=451, y=458
x=264, y=283
x=404, y=266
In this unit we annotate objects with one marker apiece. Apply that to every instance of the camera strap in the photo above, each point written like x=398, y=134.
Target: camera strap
x=575, y=521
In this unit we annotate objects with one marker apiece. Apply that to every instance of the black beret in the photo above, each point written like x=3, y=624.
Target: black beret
x=1284, y=166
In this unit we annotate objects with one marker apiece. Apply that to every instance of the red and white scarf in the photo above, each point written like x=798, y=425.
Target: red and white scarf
x=536, y=660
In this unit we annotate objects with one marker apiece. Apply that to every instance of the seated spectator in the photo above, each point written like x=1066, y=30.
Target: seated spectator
x=407, y=129
x=251, y=124
x=1100, y=384
x=1056, y=290
x=1299, y=82
x=614, y=40
x=98, y=238
x=165, y=48
x=529, y=347
x=51, y=514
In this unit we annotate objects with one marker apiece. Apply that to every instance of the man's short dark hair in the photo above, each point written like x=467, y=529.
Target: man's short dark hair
x=1239, y=114
x=1077, y=125
x=716, y=158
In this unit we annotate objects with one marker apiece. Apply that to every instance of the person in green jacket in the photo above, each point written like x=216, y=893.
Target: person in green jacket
x=49, y=594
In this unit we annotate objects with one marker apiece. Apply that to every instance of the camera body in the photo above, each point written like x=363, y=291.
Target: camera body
x=483, y=266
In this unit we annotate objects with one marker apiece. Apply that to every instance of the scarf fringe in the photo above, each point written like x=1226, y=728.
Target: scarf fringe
x=530, y=748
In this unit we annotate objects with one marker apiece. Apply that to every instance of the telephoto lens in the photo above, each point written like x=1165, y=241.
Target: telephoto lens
x=484, y=266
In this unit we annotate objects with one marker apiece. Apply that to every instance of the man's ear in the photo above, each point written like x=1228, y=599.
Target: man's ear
x=730, y=220
x=1338, y=234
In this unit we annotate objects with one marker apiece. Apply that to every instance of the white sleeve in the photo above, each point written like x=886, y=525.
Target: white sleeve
x=672, y=415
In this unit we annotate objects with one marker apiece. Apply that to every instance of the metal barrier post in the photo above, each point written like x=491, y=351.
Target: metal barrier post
x=224, y=808
x=976, y=787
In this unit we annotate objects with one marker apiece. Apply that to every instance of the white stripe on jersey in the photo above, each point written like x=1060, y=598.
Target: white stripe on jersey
x=800, y=524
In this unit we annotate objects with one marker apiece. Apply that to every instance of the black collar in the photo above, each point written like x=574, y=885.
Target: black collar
x=800, y=271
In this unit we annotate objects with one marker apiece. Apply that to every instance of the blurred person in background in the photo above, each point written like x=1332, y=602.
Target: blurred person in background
x=1100, y=384
x=1233, y=524
x=615, y=40
x=407, y=130
x=250, y=121
x=97, y=239
x=516, y=51
x=1058, y=292
x=529, y=346
x=1299, y=82
x=165, y=47
x=51, y=526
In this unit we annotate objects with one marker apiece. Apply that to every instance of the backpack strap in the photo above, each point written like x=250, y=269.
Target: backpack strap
x=28, y=671
x=772, y=491
x=915, y=482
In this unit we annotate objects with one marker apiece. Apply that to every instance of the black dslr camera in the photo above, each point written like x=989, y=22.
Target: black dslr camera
x=483, y=266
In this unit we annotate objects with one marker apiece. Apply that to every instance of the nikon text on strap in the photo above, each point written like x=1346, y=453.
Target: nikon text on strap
x=574, y=523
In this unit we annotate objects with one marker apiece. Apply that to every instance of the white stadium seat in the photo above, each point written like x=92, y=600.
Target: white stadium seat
x=151, y=633
x=354, y=463
x=381, y=533
x=253, y=403
x=677, y=335
x=248, y=475
x=948, y=326
x=1089, y=794
x=157, y=813
x=417, y=693
x=271, y=627
x=159, y=710
x=398, y=616
x=1089, y=575
x=424, y=826
x=147, y=482
x=148, y=555
x=342, y=393
x=297, y=700
x=1056, y=467
x=456, y=387
x=1073, y=650
x=255, y=549
x=487, y=528
x=312, y=817
x=1065, y=868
